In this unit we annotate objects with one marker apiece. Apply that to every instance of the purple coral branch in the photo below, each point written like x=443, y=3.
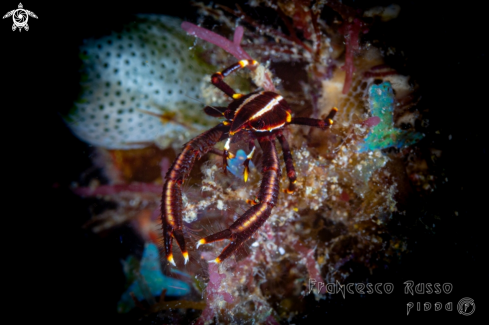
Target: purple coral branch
x=233, y=48
x=352, y=32
x=238, y=36
x=351, y=29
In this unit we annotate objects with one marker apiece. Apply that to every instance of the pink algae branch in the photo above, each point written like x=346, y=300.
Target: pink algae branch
x=233, y=48
x=352, y=31
x=311, y=264
x=213, y=293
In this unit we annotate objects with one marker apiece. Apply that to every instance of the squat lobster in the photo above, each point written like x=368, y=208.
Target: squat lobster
x=264, y=115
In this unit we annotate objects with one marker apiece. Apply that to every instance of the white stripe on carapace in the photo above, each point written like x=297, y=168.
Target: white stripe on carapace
x=267, y=108
x=279, y=126
x=249, y=99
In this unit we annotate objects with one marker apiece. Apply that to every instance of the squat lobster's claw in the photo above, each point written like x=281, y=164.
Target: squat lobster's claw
x=243, y=228
x=246, y=164
x=240, y=231
x=226, y=155
x=171, y=202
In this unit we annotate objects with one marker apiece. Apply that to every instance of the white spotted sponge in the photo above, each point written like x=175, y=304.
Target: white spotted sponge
x=140, y=85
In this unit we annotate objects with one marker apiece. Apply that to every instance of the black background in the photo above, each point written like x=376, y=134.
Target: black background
x=61, y=273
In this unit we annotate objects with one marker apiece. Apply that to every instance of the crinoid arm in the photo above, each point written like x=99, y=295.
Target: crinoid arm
x=171, y=202
x=246, y=225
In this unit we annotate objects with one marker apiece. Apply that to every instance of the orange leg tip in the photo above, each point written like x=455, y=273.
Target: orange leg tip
x=170, y=259
x=245, y=174
x=185, y=256
x=216, y=261
x=231, y=156
x=201, y=242
x=237, y=96
x=251, y=202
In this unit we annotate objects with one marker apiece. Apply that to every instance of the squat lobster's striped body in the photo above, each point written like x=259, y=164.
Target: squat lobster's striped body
x=264, y=115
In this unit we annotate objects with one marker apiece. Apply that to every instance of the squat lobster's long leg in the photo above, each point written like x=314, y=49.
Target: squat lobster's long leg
x=243, y=228
x=323, y=124
x=289, y=164
x=217, y=78
x=171, y=202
